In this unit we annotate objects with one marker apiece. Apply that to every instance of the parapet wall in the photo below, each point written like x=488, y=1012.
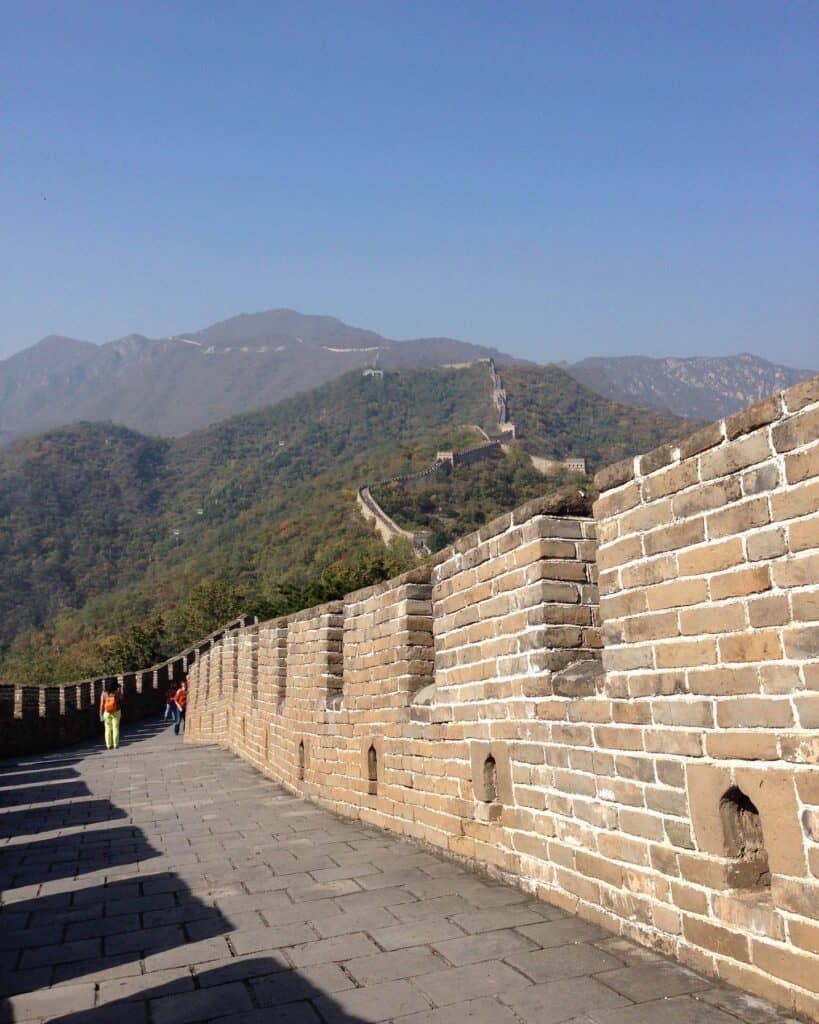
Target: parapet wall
x=39, y=718
x=648, y=759
x=670, y=793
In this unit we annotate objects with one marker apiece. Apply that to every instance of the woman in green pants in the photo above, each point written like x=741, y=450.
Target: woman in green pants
x=111, y=712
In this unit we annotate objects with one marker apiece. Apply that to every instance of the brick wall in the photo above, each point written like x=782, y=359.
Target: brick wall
x=670, y=793
x=648, y=759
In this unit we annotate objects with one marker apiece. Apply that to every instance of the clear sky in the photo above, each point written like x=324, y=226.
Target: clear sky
x=558, y=179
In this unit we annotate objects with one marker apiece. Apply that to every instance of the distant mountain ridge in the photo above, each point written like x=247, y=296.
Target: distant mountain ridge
x=699, y=387
x=171, y=386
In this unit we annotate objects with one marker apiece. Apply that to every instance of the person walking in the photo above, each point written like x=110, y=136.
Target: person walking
x=170, y=693
x=180, y=701
x=111, y=712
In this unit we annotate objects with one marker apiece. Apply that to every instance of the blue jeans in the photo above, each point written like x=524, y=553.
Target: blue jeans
x=178, y=719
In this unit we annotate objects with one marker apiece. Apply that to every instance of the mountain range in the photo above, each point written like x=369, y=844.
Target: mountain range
x=103, y=528
x=171, y=386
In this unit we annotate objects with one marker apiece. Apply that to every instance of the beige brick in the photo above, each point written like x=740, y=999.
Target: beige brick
x=711, y=558
x=735, y=455
x=672, y=538
x=613, y=502
x=799, y=501
x=716, y=494
x=805, y=606
x=651, y=627
x=646, y=573
x=704, y=439
x=761, y=645
x=802, y=642
x=723, y=681
x=804, y=534
x=802, y=465
x=802, y=394
x=712, y=619
x=796, y=431
x=670, y=481
x=746, y=746
x=752, y=713
x=758, y=415
x=800, y=969
x=720, y=940
x=802, y=571
x=686, y=652
x=739, y=518
x=771, y=610
x=677, y=594
x=766, y=544
x=740, y=582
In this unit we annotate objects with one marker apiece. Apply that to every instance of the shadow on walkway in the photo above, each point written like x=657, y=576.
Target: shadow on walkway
x=80, y=933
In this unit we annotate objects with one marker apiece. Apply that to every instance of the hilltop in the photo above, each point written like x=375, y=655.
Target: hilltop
x=169, y=387
x=101, y=527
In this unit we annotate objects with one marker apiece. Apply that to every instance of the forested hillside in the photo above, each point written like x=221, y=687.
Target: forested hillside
x=115, y=547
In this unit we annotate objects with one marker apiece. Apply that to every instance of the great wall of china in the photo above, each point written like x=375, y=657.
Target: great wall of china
x=386, y=527
x=618, y=712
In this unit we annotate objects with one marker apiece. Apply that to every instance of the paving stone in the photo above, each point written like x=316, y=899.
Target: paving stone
x=49, y=1002
x=204, y=1004
x=377, y=1003
x=487, y=979
x=403, y=963
x=497, y=945
x=141, y=986
x=365, y=920
x=559, y=1001
x=146, y=940
x=271, y=938
x=557, y=962
x=65, y=952
x=654, y=981
x=559, y=933
x=188, y=954
x=238, y=968
x=325, y=951
x=475, y=1011
x=304, y=983
x=440, y=906
x=417, y=933
x=490, y=920
x=682, y=1010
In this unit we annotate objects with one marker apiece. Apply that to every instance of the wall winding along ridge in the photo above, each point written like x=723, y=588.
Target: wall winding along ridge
x=647, y=759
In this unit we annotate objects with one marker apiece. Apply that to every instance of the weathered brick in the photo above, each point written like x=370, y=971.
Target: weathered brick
x=682, y=653
x=766, y=544
x=712, y=619
x=802, y=465
x=708, y=437
x=710, y=557
x=759, y=415
x=752, y=713
x=802, y=394
x=761, y=645
x=671, y=538
x=677, y=594
x=740, y=582
x=735, y=455
x=739, y=518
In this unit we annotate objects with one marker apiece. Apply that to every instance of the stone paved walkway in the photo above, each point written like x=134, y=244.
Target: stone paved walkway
x=162, y=883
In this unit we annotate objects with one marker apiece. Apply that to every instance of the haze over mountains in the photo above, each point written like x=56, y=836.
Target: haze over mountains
x=171, y=386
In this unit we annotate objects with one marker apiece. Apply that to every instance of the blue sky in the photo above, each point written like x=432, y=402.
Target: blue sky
x=556, y=179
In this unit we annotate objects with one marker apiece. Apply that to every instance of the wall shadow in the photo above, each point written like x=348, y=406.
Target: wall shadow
x=122, y=926
x=45, y=792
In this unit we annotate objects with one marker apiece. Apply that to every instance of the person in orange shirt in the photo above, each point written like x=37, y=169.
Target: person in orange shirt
x=111, y=712
x=180, y=701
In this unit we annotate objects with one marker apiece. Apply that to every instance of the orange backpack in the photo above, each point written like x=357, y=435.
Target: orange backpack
x=110, y=703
